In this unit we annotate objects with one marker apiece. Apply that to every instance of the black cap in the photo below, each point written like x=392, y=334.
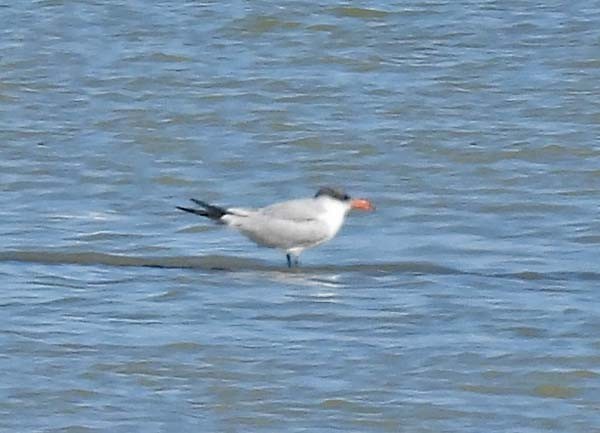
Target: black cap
x=333, y=193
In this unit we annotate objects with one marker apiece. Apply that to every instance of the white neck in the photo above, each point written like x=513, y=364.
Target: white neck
x=335, y=213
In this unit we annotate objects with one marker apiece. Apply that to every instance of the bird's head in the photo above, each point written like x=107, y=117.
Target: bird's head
x=337, y=194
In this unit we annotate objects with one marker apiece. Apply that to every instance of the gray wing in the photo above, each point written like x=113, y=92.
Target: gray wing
x=281, y=233
x=305, y=209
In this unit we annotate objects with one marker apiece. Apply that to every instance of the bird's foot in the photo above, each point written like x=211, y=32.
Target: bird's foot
x=290, y=261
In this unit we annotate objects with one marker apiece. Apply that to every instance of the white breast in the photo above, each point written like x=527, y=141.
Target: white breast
x=334, y=214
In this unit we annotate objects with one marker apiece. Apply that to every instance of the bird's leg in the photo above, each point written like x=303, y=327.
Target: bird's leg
x=289, y=260
x=296, y=261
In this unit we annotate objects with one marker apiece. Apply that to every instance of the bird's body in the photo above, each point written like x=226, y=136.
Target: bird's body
x=291, y=226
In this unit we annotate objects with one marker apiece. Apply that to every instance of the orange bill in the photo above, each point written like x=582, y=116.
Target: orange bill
x=361, y=204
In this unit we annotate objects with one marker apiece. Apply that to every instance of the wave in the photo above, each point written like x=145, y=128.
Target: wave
x=211, y=262
x=232, y=263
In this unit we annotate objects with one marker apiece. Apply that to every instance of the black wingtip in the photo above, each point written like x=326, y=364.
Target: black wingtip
x=201, y=203
x=209, y=211
x=200, y=212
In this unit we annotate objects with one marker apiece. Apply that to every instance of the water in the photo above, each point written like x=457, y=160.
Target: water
x=468, y=302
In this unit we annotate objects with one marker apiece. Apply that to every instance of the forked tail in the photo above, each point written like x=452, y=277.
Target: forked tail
x=208, y=210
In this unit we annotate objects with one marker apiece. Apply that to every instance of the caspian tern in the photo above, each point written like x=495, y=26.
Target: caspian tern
x=291, y=226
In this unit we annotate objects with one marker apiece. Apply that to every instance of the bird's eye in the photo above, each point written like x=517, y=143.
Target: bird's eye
x=346, y=197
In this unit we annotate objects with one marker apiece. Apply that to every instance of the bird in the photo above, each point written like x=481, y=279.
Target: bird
x=291, y=226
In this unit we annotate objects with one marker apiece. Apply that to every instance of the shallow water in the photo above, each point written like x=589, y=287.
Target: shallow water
x=468, y=302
